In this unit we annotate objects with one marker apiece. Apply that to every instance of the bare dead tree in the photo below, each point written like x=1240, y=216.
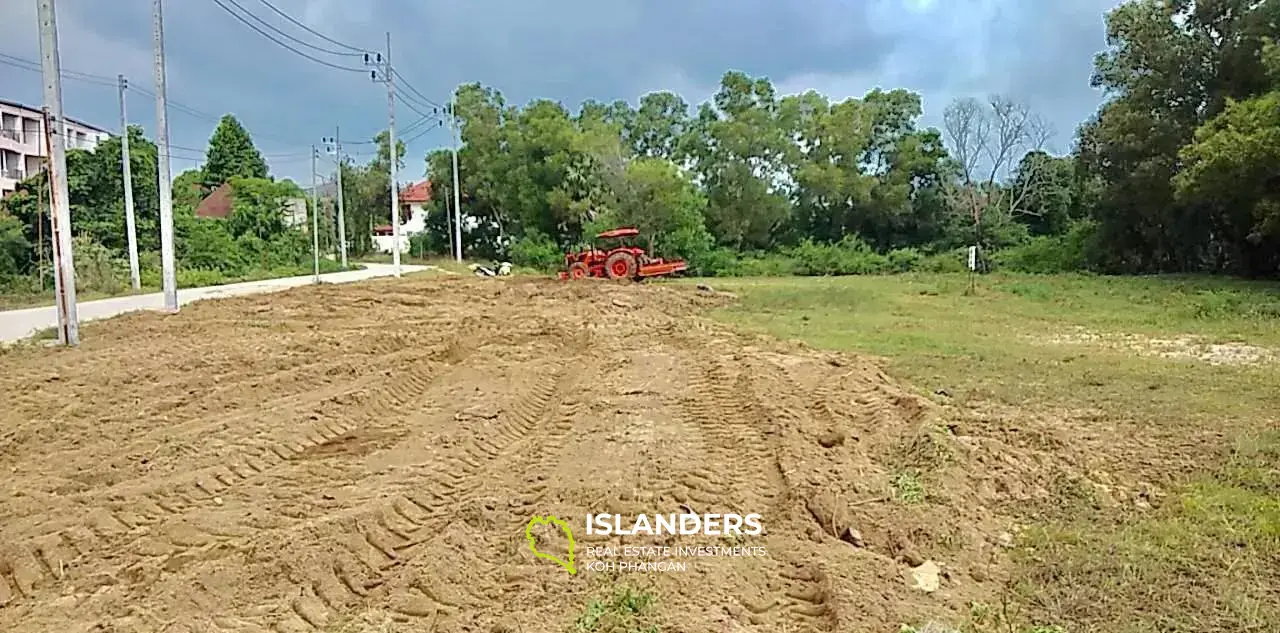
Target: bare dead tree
x=987, y=141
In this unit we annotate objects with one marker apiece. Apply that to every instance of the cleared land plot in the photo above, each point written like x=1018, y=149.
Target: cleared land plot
x=366, y=458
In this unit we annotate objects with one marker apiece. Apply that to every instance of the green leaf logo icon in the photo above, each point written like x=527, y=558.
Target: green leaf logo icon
x=533, y=547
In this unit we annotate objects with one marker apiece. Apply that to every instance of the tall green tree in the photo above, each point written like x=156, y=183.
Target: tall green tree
x=231, y=154
x=1172, y=67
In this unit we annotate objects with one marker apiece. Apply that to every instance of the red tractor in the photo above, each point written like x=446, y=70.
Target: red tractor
x=623, y=260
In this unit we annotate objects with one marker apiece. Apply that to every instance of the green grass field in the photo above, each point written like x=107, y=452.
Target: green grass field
x=1083, y=356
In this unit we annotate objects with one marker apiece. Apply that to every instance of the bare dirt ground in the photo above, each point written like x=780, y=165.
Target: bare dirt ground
x=1180, y=348
x=289, y=462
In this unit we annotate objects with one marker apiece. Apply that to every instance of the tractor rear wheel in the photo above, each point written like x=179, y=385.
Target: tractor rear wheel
x=620, y=265
x=578, y=270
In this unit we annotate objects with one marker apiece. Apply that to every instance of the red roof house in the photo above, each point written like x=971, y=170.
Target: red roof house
x=217, y=205
x=417, y=194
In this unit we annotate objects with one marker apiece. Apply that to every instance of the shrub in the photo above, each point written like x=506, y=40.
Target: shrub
x=1049, y=254
x=905, y=260
x=715, y=262
x=536, y=250
x=850, y=256
x=767, y=265
x=97, y=268
x=197, y=277
x=952, y=261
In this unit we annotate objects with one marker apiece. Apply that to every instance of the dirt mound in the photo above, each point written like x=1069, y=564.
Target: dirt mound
x=330, y=456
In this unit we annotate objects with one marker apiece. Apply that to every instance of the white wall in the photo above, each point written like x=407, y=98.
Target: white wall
x=383, y=243
x=295, y=213
x=416, y=223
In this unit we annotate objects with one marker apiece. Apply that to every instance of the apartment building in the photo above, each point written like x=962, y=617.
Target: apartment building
x=22, y=148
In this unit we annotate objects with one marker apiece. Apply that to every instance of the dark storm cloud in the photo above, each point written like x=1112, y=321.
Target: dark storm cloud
x=569, y=50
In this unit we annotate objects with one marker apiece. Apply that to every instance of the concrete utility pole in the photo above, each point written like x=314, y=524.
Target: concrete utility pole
x=315, y=214
x=457, y=192
x=388, y=77
x=55, y=134
x=342, y=222
x=167, y=269
x=130, y=228
x=391, y=151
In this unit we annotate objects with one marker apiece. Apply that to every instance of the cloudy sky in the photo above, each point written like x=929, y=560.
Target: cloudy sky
x=1039, y=51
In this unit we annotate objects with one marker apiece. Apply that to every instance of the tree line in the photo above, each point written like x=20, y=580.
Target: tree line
x=1178, y=171
x=254, y=241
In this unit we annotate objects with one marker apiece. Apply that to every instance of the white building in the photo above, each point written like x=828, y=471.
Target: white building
x=22, y=142
x=413, y=218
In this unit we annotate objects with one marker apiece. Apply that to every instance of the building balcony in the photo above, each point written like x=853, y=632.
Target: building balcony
x=16, y=141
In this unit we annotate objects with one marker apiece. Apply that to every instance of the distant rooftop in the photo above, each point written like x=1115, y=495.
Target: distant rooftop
x=22, y=106
x=324, y=189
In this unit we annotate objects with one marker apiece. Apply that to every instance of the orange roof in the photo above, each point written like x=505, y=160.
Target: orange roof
x=417, y=192
x=217, y=205
x=622, y=232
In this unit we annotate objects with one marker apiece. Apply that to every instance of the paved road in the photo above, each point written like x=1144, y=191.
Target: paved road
x=19, y=324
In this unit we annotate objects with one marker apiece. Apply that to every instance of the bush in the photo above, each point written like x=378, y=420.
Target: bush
x=716, y=262
x=1049, y=254
x=209, y=246
x=905, y=260
x=97, y=268
x=850, y=256
x=19, y=284
x=14, y=248
x=536, y=250
x=197, y=277
x=767, y=265
x=952, y=261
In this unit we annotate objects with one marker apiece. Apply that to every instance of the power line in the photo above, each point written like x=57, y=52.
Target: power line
x=29, y=65
x=212, y=118
x=418, y=123
x=428, y=129
x=410, y=101
x=409, y=104
x=185, y=109
x=290, y=37
x=405, y=82
x=32, y=66
x=282, y=44
x=309, y=29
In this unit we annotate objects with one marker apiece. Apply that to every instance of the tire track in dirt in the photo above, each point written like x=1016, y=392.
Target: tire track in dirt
x=743, y=435
x=347, y=555
x=376, y=548
x=159, y=507
x=438, y=585
x=170, y=413
x=807, y=598
x=206, y=433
